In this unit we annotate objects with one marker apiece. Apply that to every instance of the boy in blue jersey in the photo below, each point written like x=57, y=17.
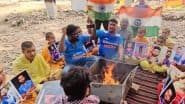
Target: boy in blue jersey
x=110, y=43
x=73, y=47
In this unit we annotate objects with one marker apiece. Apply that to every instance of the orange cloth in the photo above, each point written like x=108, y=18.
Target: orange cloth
x=141, y=39
x=31, y=100
x=55, y=67
x=47, y=56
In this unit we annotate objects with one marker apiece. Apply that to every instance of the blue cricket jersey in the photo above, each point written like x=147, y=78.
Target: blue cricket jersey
x=109, y=44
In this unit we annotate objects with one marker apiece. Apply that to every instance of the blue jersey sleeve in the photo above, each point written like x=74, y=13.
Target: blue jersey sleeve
x=120, y=40
x=100, y=33
x=123, y=39
x=84, y=38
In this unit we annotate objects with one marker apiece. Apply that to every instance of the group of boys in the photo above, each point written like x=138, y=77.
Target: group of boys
x=70, y=50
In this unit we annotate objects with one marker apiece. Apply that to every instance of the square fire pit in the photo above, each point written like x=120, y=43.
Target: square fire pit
x=111, y=80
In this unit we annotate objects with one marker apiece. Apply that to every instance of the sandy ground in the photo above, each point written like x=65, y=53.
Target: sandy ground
x=33, y=22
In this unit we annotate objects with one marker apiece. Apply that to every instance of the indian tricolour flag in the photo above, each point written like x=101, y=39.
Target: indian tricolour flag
x=100, y=9
x=148, y=17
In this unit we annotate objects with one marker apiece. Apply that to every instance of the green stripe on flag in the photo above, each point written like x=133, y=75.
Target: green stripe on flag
x=102, y=16
x=151, y=31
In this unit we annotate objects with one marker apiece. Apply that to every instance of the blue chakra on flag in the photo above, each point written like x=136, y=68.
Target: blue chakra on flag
x=137, y=22
x=102, y=8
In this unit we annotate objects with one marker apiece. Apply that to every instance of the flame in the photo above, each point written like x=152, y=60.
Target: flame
x=108, y=79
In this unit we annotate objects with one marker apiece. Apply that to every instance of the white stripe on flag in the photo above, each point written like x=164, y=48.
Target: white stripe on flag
x=149, y=21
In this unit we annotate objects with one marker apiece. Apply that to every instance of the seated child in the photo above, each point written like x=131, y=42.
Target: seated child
x=152, y=62
x=52, y=55
x=169, y=41
x=160, y=41
x=178, y=55
x=166, y=61
x=76, y=87
x=140, y=38
x=51, y=52
x=34, y=63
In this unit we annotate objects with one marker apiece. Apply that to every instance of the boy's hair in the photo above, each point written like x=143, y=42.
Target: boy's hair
x=26, y=44
x=48, y=34
x=70, y=29
x=158, y=48
x=75, y=82
x=113, y=20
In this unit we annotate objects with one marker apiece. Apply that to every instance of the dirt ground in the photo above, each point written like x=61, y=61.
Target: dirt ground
x=27, y=21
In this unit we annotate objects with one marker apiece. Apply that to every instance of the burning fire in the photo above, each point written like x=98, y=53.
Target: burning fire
x=108, y=79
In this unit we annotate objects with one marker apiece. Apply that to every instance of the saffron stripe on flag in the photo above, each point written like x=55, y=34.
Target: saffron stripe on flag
x=140, y=12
